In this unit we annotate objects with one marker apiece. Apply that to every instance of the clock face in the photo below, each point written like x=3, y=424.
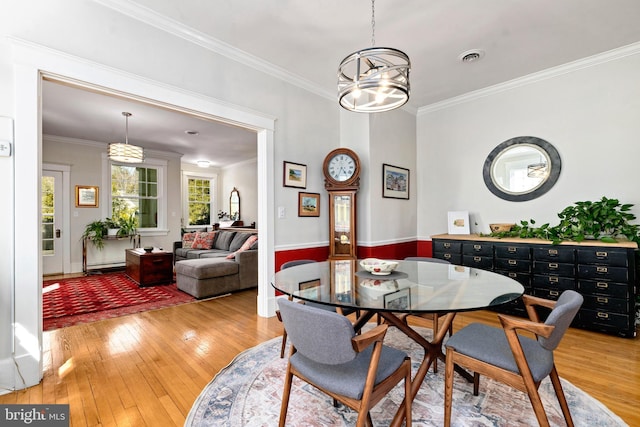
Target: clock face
x=341, y=167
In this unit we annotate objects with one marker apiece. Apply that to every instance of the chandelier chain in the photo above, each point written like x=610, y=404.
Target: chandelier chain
x=373, y=23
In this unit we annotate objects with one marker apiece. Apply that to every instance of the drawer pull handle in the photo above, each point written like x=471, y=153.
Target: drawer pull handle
x=513, y=275
x=477, y=247
x=447, y=256
x=512, y=249
x=447, y=245
x=477, y=258
x=602, y=269
x=553, y=265
x=601, y=254
x=513, y=262
x=157, y=261
x=603, y=315
x=554, y=293
x=602, y=285
x=553, y=252
x=553, y=279
x=602, y=300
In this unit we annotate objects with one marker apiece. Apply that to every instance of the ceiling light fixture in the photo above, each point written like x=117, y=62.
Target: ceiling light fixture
x=472, y=55
x=124, y=152
x=374, y=79
x=203, y=163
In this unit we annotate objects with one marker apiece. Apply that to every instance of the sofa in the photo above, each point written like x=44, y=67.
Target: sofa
x=227, y=261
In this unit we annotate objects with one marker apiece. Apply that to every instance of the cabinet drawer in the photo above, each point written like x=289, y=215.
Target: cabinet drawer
x=555, y=254
x=512, y=251
x=520, y=265
x=554, y=268
x=476, y=261
x=523, y=278
x=607, y=321
x=597, y=302
x=479, y=249
x=612, y=257
x=447, y=246
x=603, y=272
x=453, y=258
x=554, y=282
x=608, y=289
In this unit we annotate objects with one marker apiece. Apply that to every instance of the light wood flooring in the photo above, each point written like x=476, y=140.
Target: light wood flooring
x=147, y=369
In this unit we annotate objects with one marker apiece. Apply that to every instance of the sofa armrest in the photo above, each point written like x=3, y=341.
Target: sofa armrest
x=248, y=268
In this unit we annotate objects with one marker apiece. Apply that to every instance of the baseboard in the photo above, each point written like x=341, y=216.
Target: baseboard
x=7, y=372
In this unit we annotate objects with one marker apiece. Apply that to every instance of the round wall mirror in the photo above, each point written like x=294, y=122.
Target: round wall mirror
x=234, y=205
x=522, y=168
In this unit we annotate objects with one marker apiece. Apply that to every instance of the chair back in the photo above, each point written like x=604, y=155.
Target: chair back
x=561, y=317
x=320, y=335
x=293, y=263
x=427, y=259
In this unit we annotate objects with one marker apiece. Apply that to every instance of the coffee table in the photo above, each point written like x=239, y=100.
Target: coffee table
x=149, y=269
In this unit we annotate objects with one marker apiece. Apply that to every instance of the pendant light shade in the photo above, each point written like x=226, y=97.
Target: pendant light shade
x=375, y=79
x=125, y=152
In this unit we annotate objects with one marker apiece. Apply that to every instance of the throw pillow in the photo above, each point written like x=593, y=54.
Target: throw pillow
x=246, y=245
x=187, y=240
x=203, y=240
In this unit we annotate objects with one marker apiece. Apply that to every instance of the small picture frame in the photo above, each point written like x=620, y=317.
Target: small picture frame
x=294, y=175
x=86, y=196
x=308, y=204
x=395, y=182
x=310, y=289
x=398, y=300
x=458, y=222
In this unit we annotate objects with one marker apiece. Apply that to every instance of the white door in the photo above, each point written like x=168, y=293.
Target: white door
x=52, y=208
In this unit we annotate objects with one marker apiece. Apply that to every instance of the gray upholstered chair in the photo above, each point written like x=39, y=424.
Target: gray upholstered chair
x=516, y=360
x=339, y=310
x=356, y=370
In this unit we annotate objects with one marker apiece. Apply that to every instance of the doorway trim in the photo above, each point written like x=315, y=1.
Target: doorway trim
x=32, y=62
x=66, y=203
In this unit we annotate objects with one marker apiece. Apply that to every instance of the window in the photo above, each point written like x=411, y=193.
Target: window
x=199, y=198
x=137, y=189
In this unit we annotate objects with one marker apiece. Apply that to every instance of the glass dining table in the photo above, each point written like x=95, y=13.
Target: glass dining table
x=413, y=288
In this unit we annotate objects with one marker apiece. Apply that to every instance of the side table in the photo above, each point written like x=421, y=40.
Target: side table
x=148, y=269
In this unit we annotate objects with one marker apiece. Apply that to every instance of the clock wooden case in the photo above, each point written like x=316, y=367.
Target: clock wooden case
x=341, y=170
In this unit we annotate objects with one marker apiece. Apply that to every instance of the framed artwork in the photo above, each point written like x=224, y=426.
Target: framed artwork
x=310, y=289
x=308, y=204
x=395, y=182
x=458, y=222
x=86, y=196
x=398, y=300
x=295, y=175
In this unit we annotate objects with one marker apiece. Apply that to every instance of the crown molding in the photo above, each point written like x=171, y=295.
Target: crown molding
x=169, y=25
x=570, y=67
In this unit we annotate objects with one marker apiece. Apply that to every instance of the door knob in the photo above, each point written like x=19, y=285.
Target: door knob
x=57, y=233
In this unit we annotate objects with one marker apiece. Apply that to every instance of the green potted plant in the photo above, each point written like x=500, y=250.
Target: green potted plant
x=113, y=226
x=128, y=226
x=95, y=231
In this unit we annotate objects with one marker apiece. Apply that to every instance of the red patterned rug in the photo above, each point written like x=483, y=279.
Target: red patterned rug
x=69, y=302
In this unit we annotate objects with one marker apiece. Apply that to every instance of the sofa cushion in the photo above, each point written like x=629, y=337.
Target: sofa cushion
x=203, y=240
x=238, y=240
x=206, y=268
x=183, y=252
x=245, y=246
x=223, y=239
x=213, y=253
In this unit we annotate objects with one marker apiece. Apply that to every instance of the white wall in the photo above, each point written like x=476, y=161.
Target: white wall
x=243, y=177
x=590, y=114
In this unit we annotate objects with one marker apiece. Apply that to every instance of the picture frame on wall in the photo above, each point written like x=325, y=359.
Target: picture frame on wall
x=294, y=175
x=458, y=222
x=395, y=182
x=308, y=204
x=86, y=196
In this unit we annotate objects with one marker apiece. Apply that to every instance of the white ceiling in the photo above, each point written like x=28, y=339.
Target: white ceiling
x=308, y=39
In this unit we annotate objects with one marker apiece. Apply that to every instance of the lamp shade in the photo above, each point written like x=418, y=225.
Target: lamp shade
x=126, y=153
x=373, y=80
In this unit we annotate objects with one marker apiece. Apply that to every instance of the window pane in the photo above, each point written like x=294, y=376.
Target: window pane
x=148, y=213
x=134, y=192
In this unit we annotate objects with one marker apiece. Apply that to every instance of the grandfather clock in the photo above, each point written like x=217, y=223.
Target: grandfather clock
x=341, y=170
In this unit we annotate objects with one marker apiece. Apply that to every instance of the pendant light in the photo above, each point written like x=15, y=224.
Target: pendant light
x=125, y=152
x=374, y=79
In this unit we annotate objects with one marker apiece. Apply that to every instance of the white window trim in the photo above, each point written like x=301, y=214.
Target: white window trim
x=105, y=194
x=213, y=177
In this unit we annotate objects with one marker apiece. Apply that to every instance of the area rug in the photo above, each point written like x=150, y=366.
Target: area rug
x=248, y=392
x=69, y=302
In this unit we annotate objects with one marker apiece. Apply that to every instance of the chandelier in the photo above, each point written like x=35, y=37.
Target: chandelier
x=125, y=152
x=374, y=79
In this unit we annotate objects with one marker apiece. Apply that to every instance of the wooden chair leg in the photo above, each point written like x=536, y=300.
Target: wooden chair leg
x=536, y=403
x=476, y=383
x=557, y=386
x=448, y=387
x=285, y=396
x=284, y=343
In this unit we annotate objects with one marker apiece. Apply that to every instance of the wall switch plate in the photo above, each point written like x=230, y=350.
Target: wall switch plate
x=5, y=149
x=281, y=212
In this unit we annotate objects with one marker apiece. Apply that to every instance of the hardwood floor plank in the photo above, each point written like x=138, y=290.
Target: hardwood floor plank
x=147, y=369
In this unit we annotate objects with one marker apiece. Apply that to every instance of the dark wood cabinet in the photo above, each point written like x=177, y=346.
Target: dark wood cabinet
x=605, y=274
x=148, y=269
